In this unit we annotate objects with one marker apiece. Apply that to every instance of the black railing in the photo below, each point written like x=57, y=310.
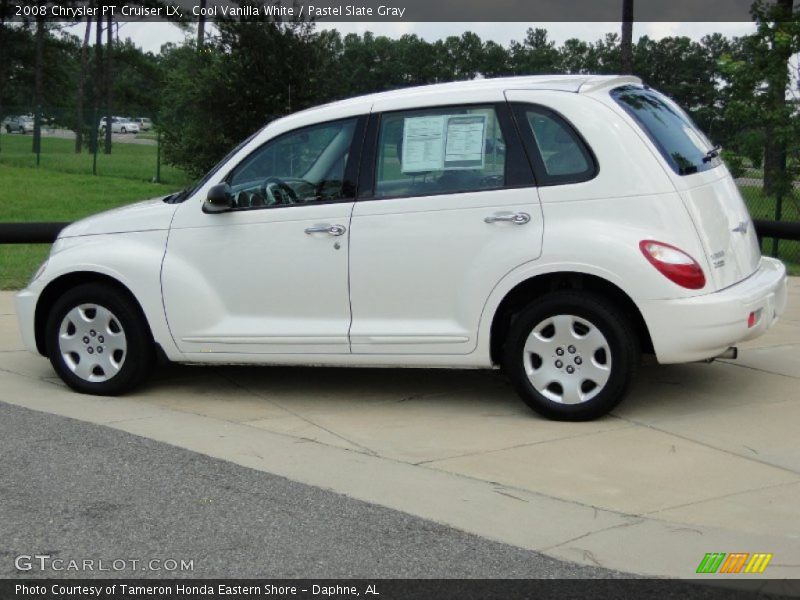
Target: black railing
x=30, y=233
x=46, y=233
x=781, y=230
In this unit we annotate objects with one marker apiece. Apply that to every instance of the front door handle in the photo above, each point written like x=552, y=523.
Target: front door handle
x=518, y=218
x=329, y=229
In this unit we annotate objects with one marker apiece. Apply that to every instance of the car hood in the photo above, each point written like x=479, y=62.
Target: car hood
x=149, y=215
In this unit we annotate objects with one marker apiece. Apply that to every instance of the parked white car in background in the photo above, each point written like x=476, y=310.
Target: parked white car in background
x=20, y=124
x=120, y=125
x=554, y=226
x=144, y=123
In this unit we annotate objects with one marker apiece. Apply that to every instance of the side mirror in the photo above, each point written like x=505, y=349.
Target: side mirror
x=219, y=199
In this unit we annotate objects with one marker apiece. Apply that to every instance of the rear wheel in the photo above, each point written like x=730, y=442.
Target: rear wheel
x=571, y=355
x=98, y=341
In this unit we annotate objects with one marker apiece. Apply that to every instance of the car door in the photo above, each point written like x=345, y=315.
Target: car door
x=269, y=276
x=447, y=206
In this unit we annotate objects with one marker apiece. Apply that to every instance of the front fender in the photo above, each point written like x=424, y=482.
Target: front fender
x=133, y=259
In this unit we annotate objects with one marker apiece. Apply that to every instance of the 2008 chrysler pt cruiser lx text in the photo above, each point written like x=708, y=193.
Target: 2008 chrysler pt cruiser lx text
x=557, y=227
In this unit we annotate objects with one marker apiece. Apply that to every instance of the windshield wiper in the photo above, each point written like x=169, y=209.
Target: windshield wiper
x=178, y=197
x=712, y=154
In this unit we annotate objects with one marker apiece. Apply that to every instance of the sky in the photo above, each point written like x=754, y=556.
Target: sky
x=150, y=36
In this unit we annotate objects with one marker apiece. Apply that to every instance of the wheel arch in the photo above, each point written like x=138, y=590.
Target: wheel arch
x=62, y=284
x=529, y=289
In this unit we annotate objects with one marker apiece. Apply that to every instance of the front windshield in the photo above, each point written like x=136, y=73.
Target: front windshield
x=680, y=141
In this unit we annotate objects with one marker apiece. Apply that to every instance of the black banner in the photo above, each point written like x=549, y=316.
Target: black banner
x=528, y=11
x=405, y=589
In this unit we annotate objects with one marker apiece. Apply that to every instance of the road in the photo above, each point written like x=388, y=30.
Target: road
x=73, y=490
x=76, y=491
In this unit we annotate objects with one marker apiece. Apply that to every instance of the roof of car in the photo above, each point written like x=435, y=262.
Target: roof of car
x=563, y=83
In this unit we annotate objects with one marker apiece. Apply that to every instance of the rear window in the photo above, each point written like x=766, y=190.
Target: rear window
x=680, y=141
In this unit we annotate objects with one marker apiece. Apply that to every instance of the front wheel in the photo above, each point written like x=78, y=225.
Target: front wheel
x=97, y=340
x=571, y=355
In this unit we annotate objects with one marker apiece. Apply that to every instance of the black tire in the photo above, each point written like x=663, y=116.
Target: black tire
x=123, y=130
x=135, y=362
x=8, y=128
x=622, y=342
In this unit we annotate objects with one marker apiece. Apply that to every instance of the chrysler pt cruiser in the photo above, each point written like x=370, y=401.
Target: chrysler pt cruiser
x=556, y=227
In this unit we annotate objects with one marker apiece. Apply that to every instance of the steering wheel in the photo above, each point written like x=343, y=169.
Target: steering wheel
x=288, y=195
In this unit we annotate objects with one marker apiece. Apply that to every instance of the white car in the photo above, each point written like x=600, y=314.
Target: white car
x=20, y=124
x=144, y=123
x=384, y=230
x=119, y=125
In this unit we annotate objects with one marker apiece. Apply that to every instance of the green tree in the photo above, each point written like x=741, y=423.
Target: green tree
x=756, y=72
x=535, y=55
x=252, y=73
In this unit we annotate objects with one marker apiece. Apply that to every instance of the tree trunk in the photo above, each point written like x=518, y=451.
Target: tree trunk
x=108, y=79
x=626, y=46
x=3, y=8
x=98, y=80
x=79, y=122
x=39, y=85
x=775, y=176
x=201, y=25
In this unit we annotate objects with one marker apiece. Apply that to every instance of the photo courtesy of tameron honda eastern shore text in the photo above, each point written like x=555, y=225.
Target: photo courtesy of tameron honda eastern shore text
x=556, y=227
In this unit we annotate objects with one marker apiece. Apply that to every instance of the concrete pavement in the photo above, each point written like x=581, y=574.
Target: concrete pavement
x=700, y=458
x=76, y=491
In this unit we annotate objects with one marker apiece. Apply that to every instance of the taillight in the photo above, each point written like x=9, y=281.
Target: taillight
x=674, y=264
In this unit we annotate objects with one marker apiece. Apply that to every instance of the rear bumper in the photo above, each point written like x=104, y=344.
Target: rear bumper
x=692, y=329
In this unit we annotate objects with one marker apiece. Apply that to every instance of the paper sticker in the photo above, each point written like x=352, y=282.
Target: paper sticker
x=443, y=142
x=423, y=144
x=466, y=137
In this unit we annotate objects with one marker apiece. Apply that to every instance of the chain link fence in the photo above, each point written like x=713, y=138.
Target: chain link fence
x=783, y=208
x=134, y=151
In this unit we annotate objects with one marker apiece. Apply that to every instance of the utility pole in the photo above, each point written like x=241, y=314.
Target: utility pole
x=626, y=45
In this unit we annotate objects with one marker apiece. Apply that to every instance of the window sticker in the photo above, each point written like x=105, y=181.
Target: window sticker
x=443, y=142
x=466, y=139
x=423, y=144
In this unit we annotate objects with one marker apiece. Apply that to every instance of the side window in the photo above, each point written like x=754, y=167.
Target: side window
x=559, y=154
x=439, y=151
x=299, y=167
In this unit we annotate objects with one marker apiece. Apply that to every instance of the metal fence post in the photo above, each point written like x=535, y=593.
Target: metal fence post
x=37, y=134
x=95, y=141
x=158, y=155
x=778, y=215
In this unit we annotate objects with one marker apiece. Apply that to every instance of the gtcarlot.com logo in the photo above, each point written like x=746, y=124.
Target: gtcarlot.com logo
x=734, y=563
x=45, y=562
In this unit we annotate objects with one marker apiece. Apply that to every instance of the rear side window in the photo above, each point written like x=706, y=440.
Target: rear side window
x=558, y=154
x=440, y=151
x=682, y=144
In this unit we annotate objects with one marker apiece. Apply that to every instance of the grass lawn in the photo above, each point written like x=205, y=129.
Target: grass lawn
x=127, y=160
x=29, y=194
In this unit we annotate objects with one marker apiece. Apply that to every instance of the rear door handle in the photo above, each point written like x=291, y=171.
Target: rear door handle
x=329, y=229
x=518, y=218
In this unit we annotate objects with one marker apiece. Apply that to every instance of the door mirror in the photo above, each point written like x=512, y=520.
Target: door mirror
x=219, y=199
